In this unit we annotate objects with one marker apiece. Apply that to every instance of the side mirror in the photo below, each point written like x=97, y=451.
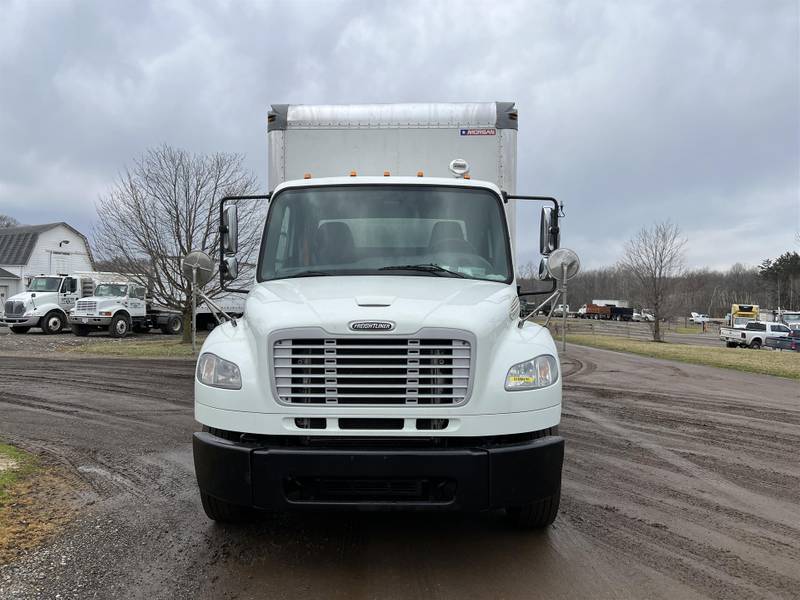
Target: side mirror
x=230, y=230
x=549, y=233
x=230, y=268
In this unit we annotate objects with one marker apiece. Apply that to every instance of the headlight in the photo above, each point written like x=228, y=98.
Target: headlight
x=532, y=374
x=217, y=372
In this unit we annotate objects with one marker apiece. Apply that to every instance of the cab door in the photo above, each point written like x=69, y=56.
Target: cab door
x=136, y=301
x=68, y=294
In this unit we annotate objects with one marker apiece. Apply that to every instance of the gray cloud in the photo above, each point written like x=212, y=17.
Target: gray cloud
x=630, y=112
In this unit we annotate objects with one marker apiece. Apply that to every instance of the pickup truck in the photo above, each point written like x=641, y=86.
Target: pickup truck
x=753, y=334
x=790, y=342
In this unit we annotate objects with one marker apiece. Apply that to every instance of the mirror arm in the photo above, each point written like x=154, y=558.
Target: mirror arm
x=552, y=297
x=216, y=307
x=223, y=230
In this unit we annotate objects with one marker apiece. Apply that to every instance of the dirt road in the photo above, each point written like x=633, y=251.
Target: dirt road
x=679, y=482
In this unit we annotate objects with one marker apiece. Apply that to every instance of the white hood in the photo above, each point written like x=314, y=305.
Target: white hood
x=412, y=302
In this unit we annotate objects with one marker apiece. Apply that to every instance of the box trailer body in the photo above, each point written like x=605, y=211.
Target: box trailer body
x=381, y=361
x=399, y=139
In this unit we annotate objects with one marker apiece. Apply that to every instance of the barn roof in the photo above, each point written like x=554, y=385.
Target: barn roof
x=17, y=243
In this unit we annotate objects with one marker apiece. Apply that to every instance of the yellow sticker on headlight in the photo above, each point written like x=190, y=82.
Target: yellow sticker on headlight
x=521, y=379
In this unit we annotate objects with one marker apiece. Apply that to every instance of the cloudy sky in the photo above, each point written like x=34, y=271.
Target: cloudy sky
x=630, y=112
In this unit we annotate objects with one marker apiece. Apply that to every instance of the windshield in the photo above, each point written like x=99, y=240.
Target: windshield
x=791, y=318
x=44, y=284
x=430, y=231
x=111, y=289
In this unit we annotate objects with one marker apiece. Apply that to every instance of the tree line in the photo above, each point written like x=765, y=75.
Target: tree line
x=775, y=283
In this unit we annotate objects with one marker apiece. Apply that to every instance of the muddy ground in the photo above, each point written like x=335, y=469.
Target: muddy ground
x=680, y=481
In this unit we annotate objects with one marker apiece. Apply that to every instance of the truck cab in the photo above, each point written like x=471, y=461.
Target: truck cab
x=114, y=306
x=45, y=303
x=382, y=361
x=119, y=308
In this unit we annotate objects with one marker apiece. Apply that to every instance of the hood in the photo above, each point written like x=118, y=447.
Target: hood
x=411, y=302
x=26, y=297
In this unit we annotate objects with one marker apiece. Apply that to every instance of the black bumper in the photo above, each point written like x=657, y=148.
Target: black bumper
x=494, y=475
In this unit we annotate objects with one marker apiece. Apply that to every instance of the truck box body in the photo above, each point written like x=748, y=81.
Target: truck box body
x=402, y=139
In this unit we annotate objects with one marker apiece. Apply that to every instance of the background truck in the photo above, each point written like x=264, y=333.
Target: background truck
x=381, y=361
x=742, y=314
x=753, y=334
x=790, y=318
x=616, y=310
x=119, y=308
x=47, y=301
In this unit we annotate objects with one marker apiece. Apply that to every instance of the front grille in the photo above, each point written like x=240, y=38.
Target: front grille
x=86, y=306
x=14, y=308
x=376, y=371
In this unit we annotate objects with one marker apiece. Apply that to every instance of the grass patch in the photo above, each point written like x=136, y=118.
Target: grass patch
x=35, y=501
x=688, y=330
x=14, y=465
x=782, y=364
x=166, y=347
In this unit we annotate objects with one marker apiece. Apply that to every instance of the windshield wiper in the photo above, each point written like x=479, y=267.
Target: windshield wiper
x=307, y=274
x=437, y=270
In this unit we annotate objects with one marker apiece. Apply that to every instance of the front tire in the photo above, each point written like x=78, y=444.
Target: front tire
x=19, y=329
x=119, y=327
x=52, y=322
x=224, y=512
x=755, y=344
x=536, y=515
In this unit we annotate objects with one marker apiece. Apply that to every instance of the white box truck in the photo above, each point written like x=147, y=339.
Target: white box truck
x=382, y=361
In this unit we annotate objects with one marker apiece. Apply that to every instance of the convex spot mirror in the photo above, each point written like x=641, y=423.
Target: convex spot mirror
x=230, y=230
x=230, y=268
x=198, y=264
x=562, y=263
x=549, y=233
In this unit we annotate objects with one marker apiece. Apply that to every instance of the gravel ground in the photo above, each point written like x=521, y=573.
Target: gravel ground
x=680, y=481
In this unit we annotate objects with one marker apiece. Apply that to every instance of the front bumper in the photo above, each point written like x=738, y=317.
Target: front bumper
x=89, y=320
x=31, y=321
x=475, y=474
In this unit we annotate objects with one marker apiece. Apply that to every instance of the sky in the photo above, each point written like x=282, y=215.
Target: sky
x=630, y=112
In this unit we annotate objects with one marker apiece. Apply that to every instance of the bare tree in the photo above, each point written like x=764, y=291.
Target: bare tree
x=655, y=259
x=7, y=221
x=165, y=206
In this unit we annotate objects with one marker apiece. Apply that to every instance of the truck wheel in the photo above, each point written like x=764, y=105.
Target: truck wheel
x=52, y=322
x=224, y=512
x=174, y=326
x=19, y=329
x=537, y=515
x=80, y=330
x=119, y=326
x=755, y=344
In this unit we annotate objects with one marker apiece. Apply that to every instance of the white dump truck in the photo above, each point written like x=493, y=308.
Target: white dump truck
x=382, y=361
x=47, y=301
x=120, y=307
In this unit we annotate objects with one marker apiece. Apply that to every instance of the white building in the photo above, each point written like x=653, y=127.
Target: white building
x=47, y=249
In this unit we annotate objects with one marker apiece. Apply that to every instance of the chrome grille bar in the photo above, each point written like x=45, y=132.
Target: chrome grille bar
x=375, y=371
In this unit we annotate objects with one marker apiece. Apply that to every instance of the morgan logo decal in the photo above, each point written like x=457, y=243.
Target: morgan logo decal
x=371, y=325
x=478, y=132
